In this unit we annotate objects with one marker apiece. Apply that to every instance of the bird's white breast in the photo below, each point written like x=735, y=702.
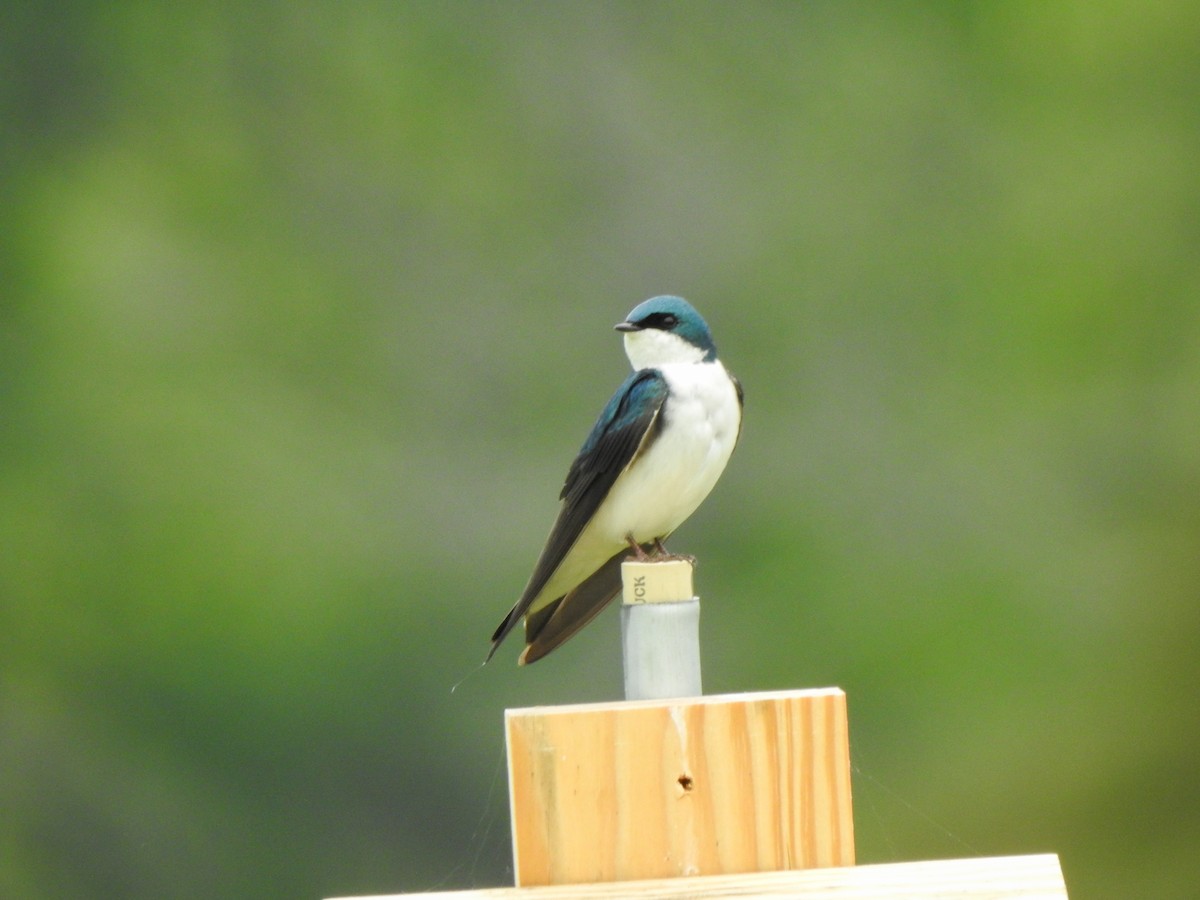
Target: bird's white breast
x=664, y=485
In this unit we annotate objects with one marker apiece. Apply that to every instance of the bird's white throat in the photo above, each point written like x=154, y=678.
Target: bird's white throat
x=651, y=348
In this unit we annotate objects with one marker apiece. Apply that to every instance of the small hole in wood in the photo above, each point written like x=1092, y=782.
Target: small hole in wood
x=685, y=782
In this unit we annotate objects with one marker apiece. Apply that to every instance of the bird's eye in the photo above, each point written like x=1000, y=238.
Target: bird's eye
x=660, y=320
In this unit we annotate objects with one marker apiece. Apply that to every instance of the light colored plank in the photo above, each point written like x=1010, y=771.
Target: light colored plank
x=995, y=878
x=701, y=786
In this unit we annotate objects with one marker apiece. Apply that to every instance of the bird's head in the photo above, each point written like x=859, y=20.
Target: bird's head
x=666, y=330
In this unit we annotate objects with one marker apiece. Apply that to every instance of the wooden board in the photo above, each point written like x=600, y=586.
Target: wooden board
x=998, y=878
x=699, y=786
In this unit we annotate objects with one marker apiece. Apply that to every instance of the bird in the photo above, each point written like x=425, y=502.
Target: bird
x=654, y=454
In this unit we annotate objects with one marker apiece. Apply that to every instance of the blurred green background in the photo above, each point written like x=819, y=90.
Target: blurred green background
x=305, y=309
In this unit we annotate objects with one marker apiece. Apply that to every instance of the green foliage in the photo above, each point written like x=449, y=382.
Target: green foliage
x=306, y=307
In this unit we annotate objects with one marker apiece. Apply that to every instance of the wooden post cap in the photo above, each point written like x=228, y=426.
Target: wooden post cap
x=658, y=581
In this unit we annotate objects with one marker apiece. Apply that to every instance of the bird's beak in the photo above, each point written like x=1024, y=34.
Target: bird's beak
x=627, y=326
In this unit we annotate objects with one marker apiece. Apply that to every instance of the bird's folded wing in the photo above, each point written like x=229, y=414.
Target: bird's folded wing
x=554, y=623
x=627, y=426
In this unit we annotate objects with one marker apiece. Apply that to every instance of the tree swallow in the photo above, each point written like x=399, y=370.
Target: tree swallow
x=654, y=454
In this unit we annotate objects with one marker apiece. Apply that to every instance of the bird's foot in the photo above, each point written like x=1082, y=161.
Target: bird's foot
x=659, y=553
x=662, y=554
x=638, y=553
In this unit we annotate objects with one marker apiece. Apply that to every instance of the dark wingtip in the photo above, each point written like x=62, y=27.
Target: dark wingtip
x=576, y=609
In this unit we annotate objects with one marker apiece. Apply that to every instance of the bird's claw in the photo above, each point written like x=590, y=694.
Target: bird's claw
x=660, y=552
x=638, y=553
